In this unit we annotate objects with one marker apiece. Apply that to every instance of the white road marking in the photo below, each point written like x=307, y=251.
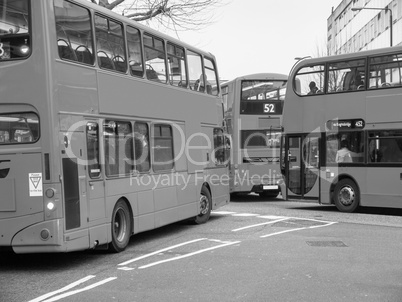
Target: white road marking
x=244, y=215
x=191, y=254
x=160, y=251
x=271, y=217
x=259, y=224
x=67, y=293
x=298, y=229
x=223, y=212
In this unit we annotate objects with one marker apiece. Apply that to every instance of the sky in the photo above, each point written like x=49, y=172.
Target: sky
x=254, y=36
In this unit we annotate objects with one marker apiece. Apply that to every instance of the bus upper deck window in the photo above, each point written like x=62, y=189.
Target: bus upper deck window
x=15, y=42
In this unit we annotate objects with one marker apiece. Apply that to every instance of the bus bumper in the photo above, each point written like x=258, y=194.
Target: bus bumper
x=43, y=237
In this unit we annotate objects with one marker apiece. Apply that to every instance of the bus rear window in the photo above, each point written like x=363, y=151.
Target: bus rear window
x=19, y=128
x=14, y=29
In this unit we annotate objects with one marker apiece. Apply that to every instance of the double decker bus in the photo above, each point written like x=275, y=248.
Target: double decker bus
x=253, y=110
x=107, y=128
x=343, y=141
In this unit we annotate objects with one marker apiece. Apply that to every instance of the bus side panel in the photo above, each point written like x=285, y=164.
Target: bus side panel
x=375, y=112
x=187, y=196
x=153, y=100
x=219, y=183
x=21, y=193
x=77, y=90
x=384, y=187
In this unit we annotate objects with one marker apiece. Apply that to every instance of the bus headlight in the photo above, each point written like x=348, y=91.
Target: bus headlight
x=24, y=49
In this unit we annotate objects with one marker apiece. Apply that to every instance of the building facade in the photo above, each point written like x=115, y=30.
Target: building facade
x=356, y=25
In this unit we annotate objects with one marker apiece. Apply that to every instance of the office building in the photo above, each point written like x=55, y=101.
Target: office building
x=356, y=25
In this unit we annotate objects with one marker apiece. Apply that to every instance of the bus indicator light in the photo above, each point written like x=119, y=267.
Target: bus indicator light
x=49, y=193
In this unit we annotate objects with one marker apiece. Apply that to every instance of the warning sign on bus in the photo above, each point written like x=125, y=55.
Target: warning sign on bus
x=35, y=184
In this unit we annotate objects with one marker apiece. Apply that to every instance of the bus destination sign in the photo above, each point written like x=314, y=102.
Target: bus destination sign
x=345, y=124
x=253, y=107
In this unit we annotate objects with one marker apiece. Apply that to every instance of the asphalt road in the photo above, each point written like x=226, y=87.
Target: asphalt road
x=250, y=250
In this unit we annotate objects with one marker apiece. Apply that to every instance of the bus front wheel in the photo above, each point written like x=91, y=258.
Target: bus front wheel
x=205, y=206
x=346, y=195
x=121, y=227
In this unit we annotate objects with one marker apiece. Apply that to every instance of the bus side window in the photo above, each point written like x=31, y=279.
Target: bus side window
x=74, y=39
x=118, y=150
x=177, y=66
x=385, y=71
x=221, y=153
x=211, y=77
x=305, y=76
x=134, y=52
x=385, y=146
x=110, y=44
x=141, y=145
x=194, y=69
x=155, y=58
x=162, y=148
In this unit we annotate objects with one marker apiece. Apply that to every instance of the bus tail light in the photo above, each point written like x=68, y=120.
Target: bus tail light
x=52, y=203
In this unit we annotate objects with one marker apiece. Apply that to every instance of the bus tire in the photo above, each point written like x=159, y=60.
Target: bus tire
x=205, y=206
x=121, y=227
x=346, y=195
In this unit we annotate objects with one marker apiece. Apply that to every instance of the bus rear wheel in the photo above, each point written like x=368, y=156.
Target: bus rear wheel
x=346, y=195
x=205, y=206
x=121, y=227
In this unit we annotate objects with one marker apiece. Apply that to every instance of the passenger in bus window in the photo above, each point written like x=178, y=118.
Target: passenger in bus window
x=343, y=154
x=357, y=83
x=199, y=85
x=313, y=88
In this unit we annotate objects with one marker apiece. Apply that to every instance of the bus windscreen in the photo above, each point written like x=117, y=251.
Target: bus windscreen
x=262, y=97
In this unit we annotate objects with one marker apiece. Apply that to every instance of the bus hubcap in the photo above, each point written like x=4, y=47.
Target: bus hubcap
x=204, y=205
x=120, y=225
x=346, y=196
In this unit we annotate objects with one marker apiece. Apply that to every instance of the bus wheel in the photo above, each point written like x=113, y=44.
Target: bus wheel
x=346, y=195
x=121, y=227
x=205, y=206
x=269, y=194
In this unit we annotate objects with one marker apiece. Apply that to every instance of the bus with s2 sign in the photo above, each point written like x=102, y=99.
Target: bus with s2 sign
x=107, y=129
x=253, y=110
x=343, y=139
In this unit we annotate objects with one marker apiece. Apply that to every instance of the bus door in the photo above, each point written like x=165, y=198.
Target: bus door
x=95, y=185
x=302, y=166
x=74, y=183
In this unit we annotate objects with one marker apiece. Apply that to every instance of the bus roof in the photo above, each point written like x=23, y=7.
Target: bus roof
x=138, y=25
x=353, y=55
x=259, y=76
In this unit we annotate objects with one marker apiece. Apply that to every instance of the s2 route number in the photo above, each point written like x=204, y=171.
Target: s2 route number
x=1, y=50
x=269, y=108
